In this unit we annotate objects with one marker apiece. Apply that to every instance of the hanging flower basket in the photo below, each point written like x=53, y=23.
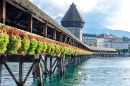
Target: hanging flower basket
x=39, y=47
x=57, y=50
x=44, y=48
x=25, y=43
x=4, y=40
x=33, y=46
x=14, y=44
x=15, y=41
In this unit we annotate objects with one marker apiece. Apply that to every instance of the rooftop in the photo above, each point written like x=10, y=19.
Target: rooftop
x=106, y=35
x=72, y=15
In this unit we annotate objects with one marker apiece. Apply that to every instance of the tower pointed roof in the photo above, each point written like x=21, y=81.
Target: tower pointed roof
x=72, y=15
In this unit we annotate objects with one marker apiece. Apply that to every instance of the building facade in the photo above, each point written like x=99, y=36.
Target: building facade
x=73, y=21
x=90, y=39
x=111, y=41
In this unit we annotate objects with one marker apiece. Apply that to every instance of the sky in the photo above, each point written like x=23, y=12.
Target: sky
x=100, y=14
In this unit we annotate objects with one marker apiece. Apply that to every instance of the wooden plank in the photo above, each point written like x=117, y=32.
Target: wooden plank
x=30, y=23
x=2, y=11
x=17, y=58
x=45, y=29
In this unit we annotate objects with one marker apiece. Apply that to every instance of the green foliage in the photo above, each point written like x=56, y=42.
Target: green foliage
x=33, y=46
x=125, y=39
x=44, y=48
x=39, y=47
x=3, y=27
x=25, y=46
x=57, y=49
x=14, y=44
x=66, y=50
x=51, y=48
x=4, y=40
x=48, y=48
x=129, y=48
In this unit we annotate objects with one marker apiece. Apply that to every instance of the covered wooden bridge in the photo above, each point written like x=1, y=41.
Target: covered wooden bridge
x=21, y=20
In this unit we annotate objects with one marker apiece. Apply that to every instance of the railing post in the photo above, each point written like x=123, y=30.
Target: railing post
x=30, y=23
x=54, y=34
x=65, y=39
x=61, y=37
x=2, y=11
x=45, y=29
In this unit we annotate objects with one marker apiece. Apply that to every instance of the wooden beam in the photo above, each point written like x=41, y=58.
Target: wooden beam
x=68, y=39
x=21, y=73
x=24, y=10
x=38, y=74
x=30, y=23
x=50, y=65
x=65, y=39
x=61, y=37
x=2, y=11
x=73, y=42
x=45, y=29
x=54, y=34
x=69, y=42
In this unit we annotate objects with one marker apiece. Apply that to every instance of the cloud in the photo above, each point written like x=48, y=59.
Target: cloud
x=121, y=18
x=59, y=7
x=113, y=14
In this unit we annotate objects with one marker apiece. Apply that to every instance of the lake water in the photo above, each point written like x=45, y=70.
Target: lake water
x=101, y=71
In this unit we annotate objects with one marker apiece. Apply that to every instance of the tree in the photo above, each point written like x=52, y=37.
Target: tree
x=129, y=48
x=126, y=39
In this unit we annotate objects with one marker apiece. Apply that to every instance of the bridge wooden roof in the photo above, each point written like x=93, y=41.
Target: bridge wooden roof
x=101, y=48
x=42, y=16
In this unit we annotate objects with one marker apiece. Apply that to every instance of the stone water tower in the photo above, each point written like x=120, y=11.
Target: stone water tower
x=73, y=21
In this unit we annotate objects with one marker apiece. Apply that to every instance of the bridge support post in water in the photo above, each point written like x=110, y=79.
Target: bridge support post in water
x=45, y=65
x=20, y=74
x=20, y=59
x=1, y=66
x=50, y=65
x=75, y=60
x=61, y=65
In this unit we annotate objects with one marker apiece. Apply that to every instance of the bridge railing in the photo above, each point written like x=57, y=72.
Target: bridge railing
x=16, y=41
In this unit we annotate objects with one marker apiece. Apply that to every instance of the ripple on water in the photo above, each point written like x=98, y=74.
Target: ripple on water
x=108, y=71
